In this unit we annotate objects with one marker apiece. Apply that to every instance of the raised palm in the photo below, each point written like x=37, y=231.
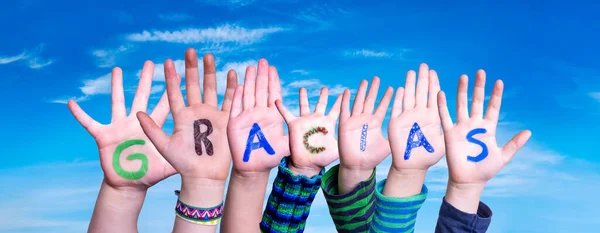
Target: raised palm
x=312, y=136
x=255, y=130
x=357, y=149
x=420, y=114
x=474, y=159
x=127, y=157
x=198, y=147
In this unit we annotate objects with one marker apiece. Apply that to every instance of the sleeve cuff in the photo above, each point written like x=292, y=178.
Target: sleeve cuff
x=351, y=212
x=451, y=216
x=393, y=214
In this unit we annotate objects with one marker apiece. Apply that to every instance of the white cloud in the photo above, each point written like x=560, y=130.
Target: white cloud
x=10, y=59
x=367, y=53
x=157, y=89
x=231, y=3
x=323, y=16
x=108, y=57
x=174, y=17
x=223, y=34
x=595, y=95
x=66, y=100
x=99, y=85
x=313, y=86
x=302, y=72
x=34, y=61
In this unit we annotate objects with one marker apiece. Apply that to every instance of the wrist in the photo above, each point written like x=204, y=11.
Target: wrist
x=350, y=177
x=201, y=192
x=308, y=171
x=464, y=197
x=404, y=182
x=124, y=194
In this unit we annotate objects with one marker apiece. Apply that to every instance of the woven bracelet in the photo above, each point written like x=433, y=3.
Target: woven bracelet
x=197, y=215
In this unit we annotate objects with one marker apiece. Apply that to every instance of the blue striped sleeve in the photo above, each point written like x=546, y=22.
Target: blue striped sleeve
x=396, y=214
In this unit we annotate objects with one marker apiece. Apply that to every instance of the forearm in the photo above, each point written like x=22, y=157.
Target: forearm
x=199, y=193
x=404, y=183
x=396, y=214
x=245, y=196
x=350, y=177
x=290, y=200
x=116, y=210
x=352, y=211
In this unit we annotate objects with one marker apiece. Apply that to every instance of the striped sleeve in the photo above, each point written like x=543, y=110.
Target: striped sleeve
x=289, y=203
x=351, y=212
x=396, y=214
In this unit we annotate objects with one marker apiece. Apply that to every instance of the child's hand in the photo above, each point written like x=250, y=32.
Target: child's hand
x=361, y=142
x=472, y=153
x=127, y=157
x=312, y=136
x=255, y=129
x=415, y=133
x=198, y=147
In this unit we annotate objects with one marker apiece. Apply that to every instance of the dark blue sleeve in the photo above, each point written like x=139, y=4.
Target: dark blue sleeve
x=452, y=220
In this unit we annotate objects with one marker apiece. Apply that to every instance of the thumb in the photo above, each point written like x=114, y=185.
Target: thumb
x=512, y=146
x=154, y=133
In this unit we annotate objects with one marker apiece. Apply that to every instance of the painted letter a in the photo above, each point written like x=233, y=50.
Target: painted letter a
x=262, y=142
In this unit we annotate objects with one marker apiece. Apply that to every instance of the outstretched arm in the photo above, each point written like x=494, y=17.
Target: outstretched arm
x=313, y=146
x=473, y=156
x=258, y=143
x=130, y=162
x=198, y=147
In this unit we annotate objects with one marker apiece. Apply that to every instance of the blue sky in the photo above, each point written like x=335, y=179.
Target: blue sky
x=544, y=51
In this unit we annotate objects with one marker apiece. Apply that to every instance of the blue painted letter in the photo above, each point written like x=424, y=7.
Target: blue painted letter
x=484, y=149
x=411, y=143
x=262, y=142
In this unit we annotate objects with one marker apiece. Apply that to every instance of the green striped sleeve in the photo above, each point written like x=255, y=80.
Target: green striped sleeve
x=351, y=212
x=396, y=214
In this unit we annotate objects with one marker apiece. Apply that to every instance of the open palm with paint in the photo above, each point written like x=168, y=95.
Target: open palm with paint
x=313, y=143
x=255, y=129
x=414, y=130
x=362, y=144
x=127, y=157
x=198, y=147
x=472, y=152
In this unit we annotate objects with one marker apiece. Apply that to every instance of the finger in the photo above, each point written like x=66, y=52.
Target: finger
x=493, y=110
x=140, y=101
x=161, y=111
x=192, y=81
x=262, y=83
x=274, y=86
x=512, y=146
x=443, y=112
x=304, y=107
x=422, y=86
x=287, y=115
x=118, y=97
x=409, y=91
x=159, y=139
x=462, y=111
x=89, y=124
x=173, y=81
x=371, y=96
x=434, y=88
x=334, y=113
x=345, y=112
x=236, y=103
x=359, y=99
x=384, y=104
x=397, y=106
x=210, y=80
x=478, y=95
x=249, y=85
x=322, y=102
x=231, y=85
